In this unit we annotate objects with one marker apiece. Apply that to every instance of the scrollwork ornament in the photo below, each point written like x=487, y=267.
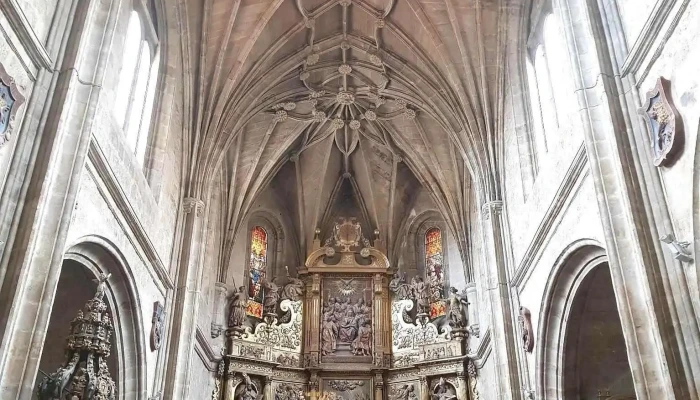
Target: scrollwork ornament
x=10, y=101
x=664, y=123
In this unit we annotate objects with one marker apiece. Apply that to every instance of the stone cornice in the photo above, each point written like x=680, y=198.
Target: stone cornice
x=205, y=352
x=483, y=351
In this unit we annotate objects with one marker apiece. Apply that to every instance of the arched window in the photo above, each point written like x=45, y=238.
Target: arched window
x=434, y=271
x=257, y=269
x=550, y=83
x=136, y=87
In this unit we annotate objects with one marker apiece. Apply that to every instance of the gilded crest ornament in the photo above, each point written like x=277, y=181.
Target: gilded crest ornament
x=10, y=100
x=157, y=325
x=664, y=122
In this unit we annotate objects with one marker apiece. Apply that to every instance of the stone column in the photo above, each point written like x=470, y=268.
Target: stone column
x=267, y=391
x=497, y=287
x=185, y=308
x=378, y=386
x=313, y=308
x=33, y=256
x=380, y=303
x=219, y=319
x=424, y=389
x=461, y=385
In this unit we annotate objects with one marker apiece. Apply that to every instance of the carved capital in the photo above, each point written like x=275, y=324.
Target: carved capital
x=190, y=204
x=494, y=207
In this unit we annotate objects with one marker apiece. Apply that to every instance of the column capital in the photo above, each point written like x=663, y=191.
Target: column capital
x=492, y=207
x=190, y=204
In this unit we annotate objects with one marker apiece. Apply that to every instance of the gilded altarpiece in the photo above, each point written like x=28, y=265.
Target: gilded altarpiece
x=347, y=328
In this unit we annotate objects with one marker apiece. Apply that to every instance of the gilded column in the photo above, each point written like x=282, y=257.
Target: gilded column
x=378, y=387
x=381, y=315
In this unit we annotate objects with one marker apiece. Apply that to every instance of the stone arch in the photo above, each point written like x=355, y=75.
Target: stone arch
x=573, y=272
x=98, y=255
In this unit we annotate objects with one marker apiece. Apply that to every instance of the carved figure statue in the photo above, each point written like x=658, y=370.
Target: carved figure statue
x=400, y=287
x=271, y=296
x=421, y=292
x=348, y=327
x=527, y=333
x=239, y=301
x=362, y=345
x=101, y=285
x=329, y=335
x=248, y=392
x=405, y=392
x=294, y=290
x=442, y=391
x=455, y=312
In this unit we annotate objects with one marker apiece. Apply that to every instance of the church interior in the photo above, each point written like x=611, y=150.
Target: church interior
x=349, y=199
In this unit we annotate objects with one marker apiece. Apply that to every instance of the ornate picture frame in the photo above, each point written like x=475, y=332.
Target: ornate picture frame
x=664, y=122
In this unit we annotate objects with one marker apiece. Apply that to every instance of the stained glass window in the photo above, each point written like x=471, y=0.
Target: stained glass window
x=435, y=275
x=257, y=267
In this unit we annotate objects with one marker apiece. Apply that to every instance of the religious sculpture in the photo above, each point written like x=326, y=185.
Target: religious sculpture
x=405, y=392
x=455, y=312
x=294, y=289
x=239, y=301
x=362, y=345
x=443, y=391
x=421, y=292
x=157, y=325
x=400, y=287
x=329, y=334
x=271, y=296
x=85, y=375
x=247, y=391
x=527, y=333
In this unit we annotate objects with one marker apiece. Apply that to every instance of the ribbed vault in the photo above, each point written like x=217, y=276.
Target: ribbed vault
x=363, y=98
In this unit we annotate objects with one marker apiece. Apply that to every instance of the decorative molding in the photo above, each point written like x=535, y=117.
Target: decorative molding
x=569, y=184
x=648, y=36
x=205, y=352
x=129, y=222
x=190, y=204
x=27, y=37
x=483, y=351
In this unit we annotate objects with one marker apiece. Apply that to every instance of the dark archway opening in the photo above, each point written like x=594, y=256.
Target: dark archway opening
x=595, y=359
x=75, y=288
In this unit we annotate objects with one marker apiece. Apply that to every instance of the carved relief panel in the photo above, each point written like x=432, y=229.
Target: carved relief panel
x=346, y=389
x=346, y=320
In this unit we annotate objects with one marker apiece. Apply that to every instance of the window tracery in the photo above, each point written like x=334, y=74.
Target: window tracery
x=434, y=271
x=257, y=270
x=135, y=92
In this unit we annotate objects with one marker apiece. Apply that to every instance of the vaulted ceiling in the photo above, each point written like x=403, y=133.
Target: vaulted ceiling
x=337, y=101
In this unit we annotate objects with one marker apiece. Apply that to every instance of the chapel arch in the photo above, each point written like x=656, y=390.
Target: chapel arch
x=582, y=350
x=82, y=264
